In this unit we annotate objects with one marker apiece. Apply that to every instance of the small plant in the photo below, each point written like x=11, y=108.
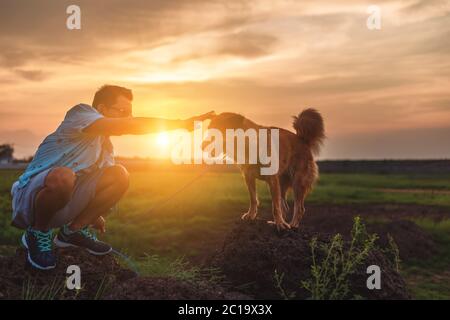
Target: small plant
x=30, y=291
x=105, y=284
x=279, y=285
x=154, y=265
x=330, y=276
x=393, y=252
x=178, y=268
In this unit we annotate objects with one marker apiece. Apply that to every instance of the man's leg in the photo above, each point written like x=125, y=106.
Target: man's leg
x=54, y=195
x=110, y=189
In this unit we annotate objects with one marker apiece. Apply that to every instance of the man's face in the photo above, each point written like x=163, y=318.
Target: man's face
x=122, y=108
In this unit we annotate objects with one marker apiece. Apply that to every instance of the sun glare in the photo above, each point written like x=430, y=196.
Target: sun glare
x=163, y=139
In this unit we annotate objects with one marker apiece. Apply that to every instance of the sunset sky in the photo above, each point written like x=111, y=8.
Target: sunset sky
x=384, y=93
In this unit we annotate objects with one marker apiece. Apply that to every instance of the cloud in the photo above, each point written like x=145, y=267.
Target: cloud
x=32, y=75
x=247, y=45
x=106, y=26
x=364, y=105
x=14, y=57
x=438, y=7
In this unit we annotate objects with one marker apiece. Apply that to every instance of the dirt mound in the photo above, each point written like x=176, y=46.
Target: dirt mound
x=20, y=281
x=412, y=241
x=102, y=277
x=251, y=253
x=145, y=288
x=338, y=218
x=254, y=250
x=387, y=211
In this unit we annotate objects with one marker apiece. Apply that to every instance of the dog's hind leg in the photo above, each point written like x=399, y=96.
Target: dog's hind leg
x=250, y=181
x=299, y=206
x=285, y=184
x=301, y=187
x=275, y=190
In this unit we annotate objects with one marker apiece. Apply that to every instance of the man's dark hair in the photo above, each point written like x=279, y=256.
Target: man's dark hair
x=108, y=95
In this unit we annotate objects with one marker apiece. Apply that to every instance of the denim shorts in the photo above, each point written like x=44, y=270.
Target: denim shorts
x=23, y=199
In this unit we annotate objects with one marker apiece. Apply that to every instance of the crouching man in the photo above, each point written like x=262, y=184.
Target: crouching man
x=73, y=182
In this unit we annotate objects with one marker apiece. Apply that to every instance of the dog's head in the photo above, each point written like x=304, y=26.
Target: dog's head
x=227, y=120
x=224, y=121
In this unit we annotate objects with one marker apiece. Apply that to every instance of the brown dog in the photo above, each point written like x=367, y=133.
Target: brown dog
x=297, y=168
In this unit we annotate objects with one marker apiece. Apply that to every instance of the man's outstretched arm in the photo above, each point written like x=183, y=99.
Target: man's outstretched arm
x=141, y=125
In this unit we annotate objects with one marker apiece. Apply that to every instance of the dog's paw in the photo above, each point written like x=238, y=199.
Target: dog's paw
x=294, y=225
x=281, y=225
x=249, y=216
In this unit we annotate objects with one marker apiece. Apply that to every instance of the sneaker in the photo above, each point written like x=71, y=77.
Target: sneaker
x=40, y=248
x=82, y=238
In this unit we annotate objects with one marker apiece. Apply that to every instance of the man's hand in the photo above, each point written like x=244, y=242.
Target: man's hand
x=189, y=123
x=100, y=224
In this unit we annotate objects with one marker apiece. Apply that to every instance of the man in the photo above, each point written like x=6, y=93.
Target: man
x=73, y=182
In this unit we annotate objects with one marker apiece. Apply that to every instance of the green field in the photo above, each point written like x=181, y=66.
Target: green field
x=151, y=220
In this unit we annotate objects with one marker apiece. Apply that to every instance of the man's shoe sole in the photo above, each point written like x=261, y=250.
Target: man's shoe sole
x=62, y=244
x=34, y=264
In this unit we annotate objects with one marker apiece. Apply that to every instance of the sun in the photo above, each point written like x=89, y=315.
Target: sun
x=163, y=139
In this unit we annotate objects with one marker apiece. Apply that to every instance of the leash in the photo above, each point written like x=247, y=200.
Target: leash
x=177, y=192
x=124, y=257
x=127, y=260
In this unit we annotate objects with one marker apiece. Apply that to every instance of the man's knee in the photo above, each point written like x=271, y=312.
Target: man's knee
x=61, y=180
x=119, y=176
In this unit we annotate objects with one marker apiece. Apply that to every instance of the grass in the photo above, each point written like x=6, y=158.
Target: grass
x=8, y=234
x=366, y=188
x=179, y=268
x=57, y=290
x=30, y=291
x=149, y=221
x=430, y=279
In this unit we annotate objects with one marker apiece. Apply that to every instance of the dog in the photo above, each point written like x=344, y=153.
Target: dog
x=297, y=168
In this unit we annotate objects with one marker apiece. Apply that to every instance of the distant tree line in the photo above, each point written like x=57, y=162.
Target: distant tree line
x=6, y=153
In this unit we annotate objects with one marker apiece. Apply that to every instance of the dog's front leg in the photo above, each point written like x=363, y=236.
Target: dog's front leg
x=274, y=185
x=250, y=181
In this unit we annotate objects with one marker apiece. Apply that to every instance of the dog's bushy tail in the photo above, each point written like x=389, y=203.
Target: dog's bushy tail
x=310, y=129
